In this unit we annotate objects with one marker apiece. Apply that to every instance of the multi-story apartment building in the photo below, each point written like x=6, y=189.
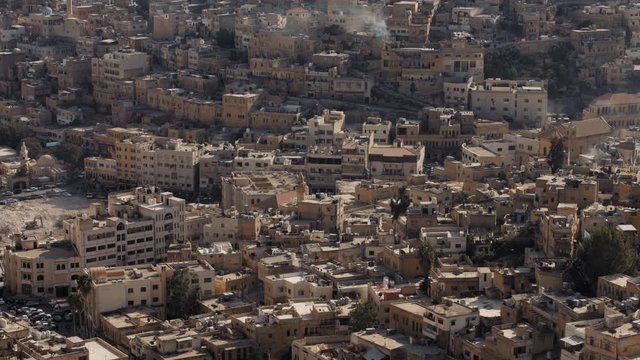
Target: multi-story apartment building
x=396, y=162
x=379, y=129
x=120, y=65
x=616, y=336
x=326, y=212
x=173, y=166
x=553, y=190
x=128, y=154
x=596, y=47
x=620, y=110
x=44, y=270
x=121, y=287
x=275, y=43
x=524, y=102
x=101, y=171
x=136, y=228
x=183, y=105
x=326, y=129
x=236, y=109
x=423, y=71
x=559, y=231
x=323, y=168
x=443, y=322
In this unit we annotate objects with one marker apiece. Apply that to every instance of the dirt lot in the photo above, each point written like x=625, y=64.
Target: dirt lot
x=14, y=216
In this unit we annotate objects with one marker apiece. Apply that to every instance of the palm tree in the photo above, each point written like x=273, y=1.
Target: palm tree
x=76, y=302
x=427, y=258
x=399, y=206
x=83, y=283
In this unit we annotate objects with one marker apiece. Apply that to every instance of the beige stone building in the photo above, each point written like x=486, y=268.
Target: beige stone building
x=45, y=270
x=396, y=162
x=261, y=190
x=173, y=166
x=128, y=155
x=169, y=344
x=102, y=171
x=380, y=129
x=615, y=337
x=221, y=256
x=443, y=322
x=559, y=231
x=327, y=213
x=281, y=288
x=596, y=47
x=402, y=259
x=620, y=110
x=237, y=108
x=480, y=155
x=182, y=105
x=424, y=70
x=136, y=228
x=121, y=287
x=274, y=327
x=121, y=65
x=524, y=102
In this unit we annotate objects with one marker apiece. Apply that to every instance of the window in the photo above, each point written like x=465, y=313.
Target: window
x=130, y=291
x=154, y=287
x=130, y=302
x=155, y=299
x=143, y=289
x=207, y=280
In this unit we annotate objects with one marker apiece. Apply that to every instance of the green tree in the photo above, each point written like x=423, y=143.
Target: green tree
x=226, y=39
x=556, y=155
x=182, y=298
x=9, y=137
x=427, y=258
x=34, y=147
x=71, y=154
x=76, y=303
x=399, y=206
x=605, y=252
x=362, y=316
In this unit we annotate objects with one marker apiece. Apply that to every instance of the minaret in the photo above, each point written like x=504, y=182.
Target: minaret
x=24, y=159
x=69, y=8
x=24, y=153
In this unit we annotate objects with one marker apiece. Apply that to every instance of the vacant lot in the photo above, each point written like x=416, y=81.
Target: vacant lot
x=13, y=217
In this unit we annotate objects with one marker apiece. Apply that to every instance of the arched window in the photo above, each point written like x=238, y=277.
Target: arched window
x=40, y=277
x=168, y=216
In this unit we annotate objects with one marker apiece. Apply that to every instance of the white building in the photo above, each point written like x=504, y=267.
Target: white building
x=521, y=101
x=445, y=241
